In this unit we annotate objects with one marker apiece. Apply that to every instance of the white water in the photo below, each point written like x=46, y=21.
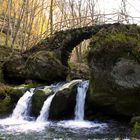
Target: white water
x=44, y=113
x=22, y=108
x=17, y=125
x=80, y=100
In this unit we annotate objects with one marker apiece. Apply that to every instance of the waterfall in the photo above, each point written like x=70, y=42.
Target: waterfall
x=80, y=100
x=23, y=106
x=44, y=113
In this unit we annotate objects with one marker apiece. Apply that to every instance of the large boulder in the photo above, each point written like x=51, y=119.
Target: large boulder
x=41, y=66
x=44, y=66
x=114, y=61
x=63, y=103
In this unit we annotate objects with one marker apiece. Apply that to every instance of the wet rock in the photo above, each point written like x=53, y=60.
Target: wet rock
x=8, y=98
x=63, y=104
x=38, y=99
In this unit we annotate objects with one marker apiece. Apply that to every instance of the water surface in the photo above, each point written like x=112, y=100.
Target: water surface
x=11, y=129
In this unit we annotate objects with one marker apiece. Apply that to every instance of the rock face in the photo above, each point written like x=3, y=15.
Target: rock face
x=42, y=66
x=114, y=62
x=63, y=104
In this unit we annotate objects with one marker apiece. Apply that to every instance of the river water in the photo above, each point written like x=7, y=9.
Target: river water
x=21, y=126
x=63, y=130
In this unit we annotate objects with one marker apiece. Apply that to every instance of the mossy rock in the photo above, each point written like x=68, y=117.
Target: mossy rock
x=38, y=99
x=63, y=103
x=8, y=98
x=5, y=105
x=108, y=40
x=136, y=131
x=114, y=62
x=44, y=66
x=135, y=120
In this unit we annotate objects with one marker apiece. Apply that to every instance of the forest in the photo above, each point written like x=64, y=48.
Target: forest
x=69, y=69
x=24, y=23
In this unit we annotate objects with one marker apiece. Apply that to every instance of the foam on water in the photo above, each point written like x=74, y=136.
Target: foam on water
x=81, y=124
x=19, y=126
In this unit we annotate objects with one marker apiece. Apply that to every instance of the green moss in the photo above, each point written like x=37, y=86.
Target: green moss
x=111, y=40
x=5, y=105
x=108, y=37
x=38, y=99
x=136, y=130
x=26, y=86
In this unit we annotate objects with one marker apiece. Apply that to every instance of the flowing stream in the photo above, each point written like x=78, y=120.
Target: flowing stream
x=19, y=127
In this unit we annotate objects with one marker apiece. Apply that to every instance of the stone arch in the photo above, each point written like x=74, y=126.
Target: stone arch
x=63, y=42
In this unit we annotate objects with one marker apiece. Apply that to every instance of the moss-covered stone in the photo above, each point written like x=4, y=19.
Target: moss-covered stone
x=136, y=131
x=44, y=66
x=38, y=99
x=63, y=104
x=115, y=70
x=134, y=120
x=5, y=105
x=8, y=98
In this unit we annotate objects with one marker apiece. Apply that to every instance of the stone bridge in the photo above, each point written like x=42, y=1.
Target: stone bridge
x=48, y=60
x=63, y=42
x=113, y=59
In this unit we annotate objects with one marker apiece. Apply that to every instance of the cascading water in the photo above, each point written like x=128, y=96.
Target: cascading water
x=22, y=108
x=44, y=113
x=17, y=126
x=80, y=100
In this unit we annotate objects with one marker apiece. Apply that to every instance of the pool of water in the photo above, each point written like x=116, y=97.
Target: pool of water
x=11, y=129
